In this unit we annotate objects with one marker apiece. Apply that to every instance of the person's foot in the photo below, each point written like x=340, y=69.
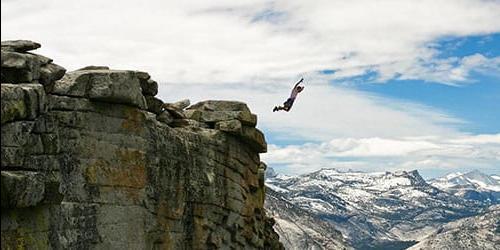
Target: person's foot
x=275, y=109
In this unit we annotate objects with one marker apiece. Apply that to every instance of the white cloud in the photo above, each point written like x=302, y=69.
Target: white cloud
x=451, y=70
x=233, y=41
x=253, y=50
x=322, y=112
x=379, y=154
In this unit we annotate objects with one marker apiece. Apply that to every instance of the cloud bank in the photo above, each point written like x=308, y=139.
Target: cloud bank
x=369, y=154
x=234, y=41
x=253, y=50
x=323, y=112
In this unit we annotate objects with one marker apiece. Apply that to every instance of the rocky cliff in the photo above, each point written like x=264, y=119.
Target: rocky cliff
x=92, y=159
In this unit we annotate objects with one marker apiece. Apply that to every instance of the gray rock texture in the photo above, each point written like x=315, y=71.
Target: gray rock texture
x=112, y=86
x=88, y=164
x=19, y=66
x=232, y=117
x=22, y=101
x=20, y=45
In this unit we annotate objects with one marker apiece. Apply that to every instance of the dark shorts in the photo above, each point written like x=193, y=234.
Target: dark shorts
x=289, y=102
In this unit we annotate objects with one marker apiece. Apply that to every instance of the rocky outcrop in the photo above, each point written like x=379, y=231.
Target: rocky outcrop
x=21, y=66
x=91, y=159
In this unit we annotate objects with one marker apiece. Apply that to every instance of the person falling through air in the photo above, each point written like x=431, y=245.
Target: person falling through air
x=287, y=105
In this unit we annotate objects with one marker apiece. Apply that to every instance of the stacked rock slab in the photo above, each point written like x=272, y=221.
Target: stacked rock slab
x=87, y=163
x=232, y=117
x=21, y=66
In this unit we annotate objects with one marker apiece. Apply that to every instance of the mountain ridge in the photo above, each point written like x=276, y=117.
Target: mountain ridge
x=473, y=185
x=381, y=209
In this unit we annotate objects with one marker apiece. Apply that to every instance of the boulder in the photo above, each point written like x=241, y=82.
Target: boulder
x=255, y=138
x=19, y=45
x=149, y=87
x=175, y=112
x=19, y=67
x=50, y=73
x=42, y=59
x=193, y=114
x=143, y=76
x=182, y=104
x=73, y=84
x=216, y=111
x=113, y=86
x=247, y=118
x=116, y=87
x=21, y=189
x=165, y=117
x=22, y=101
x=93, y=67
x=154, y=104
x=251, y=136
x=217, y=105
x=231, y=126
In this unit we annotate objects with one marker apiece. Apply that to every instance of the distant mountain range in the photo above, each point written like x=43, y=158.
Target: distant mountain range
x=472, y=185
x=386, y=210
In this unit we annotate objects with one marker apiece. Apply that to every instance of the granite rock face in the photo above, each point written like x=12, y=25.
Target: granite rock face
x=20, y=66
x=88, y=164
x=20, y=45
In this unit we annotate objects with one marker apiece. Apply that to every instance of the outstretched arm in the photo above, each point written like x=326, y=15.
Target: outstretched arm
x=297, y=84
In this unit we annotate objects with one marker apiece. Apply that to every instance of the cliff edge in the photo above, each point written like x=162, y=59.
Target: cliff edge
x=91, y=159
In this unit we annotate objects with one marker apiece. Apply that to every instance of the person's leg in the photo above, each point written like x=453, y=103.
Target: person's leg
x=278, y=108
x=288, y=104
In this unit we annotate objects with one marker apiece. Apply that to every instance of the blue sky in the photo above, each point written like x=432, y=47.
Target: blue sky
x=390, y=85
x=477, y=101
x=474, y=101
x=463, y=46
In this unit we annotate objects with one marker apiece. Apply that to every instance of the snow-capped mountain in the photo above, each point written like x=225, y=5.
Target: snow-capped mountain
x=372, y=210
x=300, y=229
x=472, y=185
x=477, y=232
